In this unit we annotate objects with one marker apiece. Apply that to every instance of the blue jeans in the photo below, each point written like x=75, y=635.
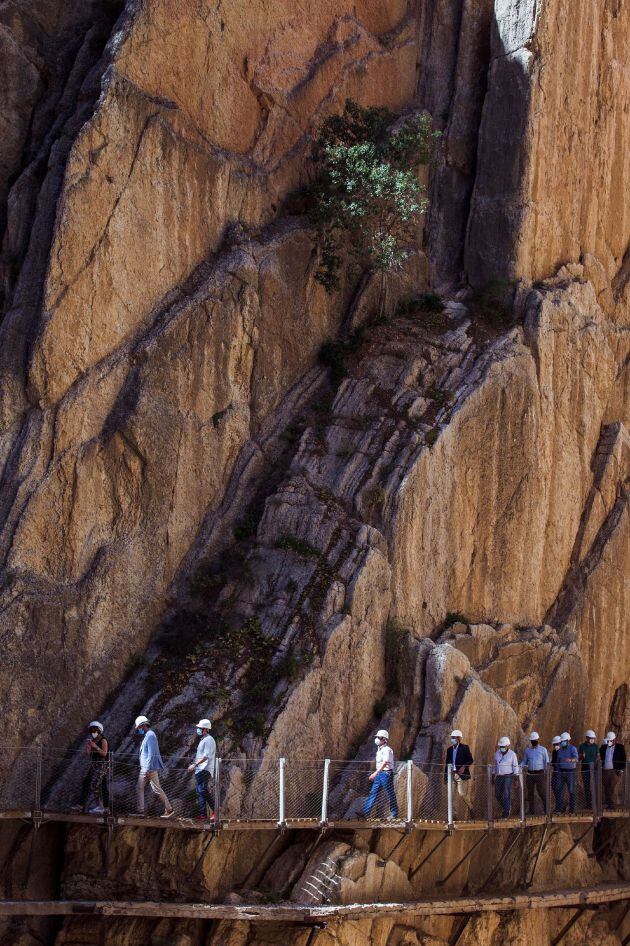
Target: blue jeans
x=503, y=793
x=384, y=781
x=565, y=777
x=202, y=781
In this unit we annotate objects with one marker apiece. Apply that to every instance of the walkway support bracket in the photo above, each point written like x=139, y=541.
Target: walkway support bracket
x=409, y=820
x=428, y=856
x=449, y=792
x=441, y=882
x=561, y=860
x=530, y=882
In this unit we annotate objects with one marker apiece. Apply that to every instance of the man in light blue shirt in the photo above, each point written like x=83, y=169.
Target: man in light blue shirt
x=535, y=761
x=150, y=764
x=203, y=768
x=503, y=771
x=566, y=764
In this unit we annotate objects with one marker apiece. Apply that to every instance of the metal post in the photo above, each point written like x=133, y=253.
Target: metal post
x=521, y=783
x=449, y=788
x=409, y=793
x=217, y=792
x=598, y=789
x=281, y=818
x=324, y=817
x=489, y=796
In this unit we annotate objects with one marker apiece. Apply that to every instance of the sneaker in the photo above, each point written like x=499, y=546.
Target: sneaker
x=168, y=814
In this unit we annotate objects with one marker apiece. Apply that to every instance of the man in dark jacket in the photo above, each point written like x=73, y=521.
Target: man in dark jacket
x=460, y=757
x=613, y=756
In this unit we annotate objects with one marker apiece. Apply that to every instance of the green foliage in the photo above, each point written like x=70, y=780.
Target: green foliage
x=493, y=304
x=136, y=662
x=454, y=617
x=205, y=583
x=334, y=353
x=246, y=527
x=432, y=436
x=295, y=544
x=425, y=302
x=441, y=396
x=367, y=199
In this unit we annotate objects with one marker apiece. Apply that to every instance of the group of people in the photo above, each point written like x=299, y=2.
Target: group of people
x=564, y=762
x=96, y=789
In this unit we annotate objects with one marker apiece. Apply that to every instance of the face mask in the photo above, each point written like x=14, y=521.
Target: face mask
x=564, y=744
x=199, y=731
x=503, y=749
x=94, y=735
x=611, y=742
x=140, y=732
x=377, y=742
x=534, y=742
x=453, y=742
x=590, y=741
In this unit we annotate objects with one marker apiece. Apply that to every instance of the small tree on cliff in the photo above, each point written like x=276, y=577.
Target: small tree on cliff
x=367, y=199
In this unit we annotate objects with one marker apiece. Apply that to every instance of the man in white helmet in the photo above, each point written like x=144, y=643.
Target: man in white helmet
x=534, y=762
x=588, y=753
x=460, y=757
x=382, y=778
x=613, y=756
x=504, y=770
x=203, y=767
x=95, y=786
x=150, y=764
x=566, y=765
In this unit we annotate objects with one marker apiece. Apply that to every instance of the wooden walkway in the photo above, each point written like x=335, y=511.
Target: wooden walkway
x=296, y=913
x=311, y=824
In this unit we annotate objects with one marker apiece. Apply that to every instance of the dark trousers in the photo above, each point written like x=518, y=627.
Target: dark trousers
x=95, y=789
x=503, y=793
x=202, y=787
x=587, y=784
x=536, y=785
x=565, y=778
x=384, y=782
x=611, y=779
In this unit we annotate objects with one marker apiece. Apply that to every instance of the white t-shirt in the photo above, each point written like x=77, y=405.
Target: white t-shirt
x=385, y=754
x=207, y=747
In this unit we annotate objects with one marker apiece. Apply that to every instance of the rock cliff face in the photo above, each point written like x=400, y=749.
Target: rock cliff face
x=197, y=517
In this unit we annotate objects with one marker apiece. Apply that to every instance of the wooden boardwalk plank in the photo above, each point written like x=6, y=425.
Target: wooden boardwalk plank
x=288, y=912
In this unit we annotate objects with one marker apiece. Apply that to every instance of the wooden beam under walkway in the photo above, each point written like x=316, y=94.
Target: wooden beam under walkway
x=296, y=913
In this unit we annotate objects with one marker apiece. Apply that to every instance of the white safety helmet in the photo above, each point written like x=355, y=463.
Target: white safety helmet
x=141, y=721
x=533, y=736
x=610, y=736
x=204, y=724
x=565, y=736
x=456, y=734
x=96, y=725
x=382, y=734
x=590, y=734
x=503, y=742
x=556, y=741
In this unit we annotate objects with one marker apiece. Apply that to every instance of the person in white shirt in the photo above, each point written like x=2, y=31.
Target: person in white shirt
x=503, y=771
x=203, y=767
x=382, y=778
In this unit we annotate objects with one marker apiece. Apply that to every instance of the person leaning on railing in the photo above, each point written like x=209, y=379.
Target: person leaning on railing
x=613, y=756
x=95, y=785
x=460, y=757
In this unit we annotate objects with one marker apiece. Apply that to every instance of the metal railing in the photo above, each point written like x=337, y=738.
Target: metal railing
x=281, y=791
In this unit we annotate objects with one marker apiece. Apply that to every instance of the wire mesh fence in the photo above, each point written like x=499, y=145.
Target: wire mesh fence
x=353, y=794
x=279, y=790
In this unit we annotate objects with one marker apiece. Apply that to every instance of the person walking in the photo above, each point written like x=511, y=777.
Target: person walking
x=503, y=771
x=588, y=754
x=203, y=767
x=535, y=761
x=555, y=745
x=613, y=756
x=460, y=757
x=95, y=786
x=150, y=764
x=383, y=777
x=567, y=760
